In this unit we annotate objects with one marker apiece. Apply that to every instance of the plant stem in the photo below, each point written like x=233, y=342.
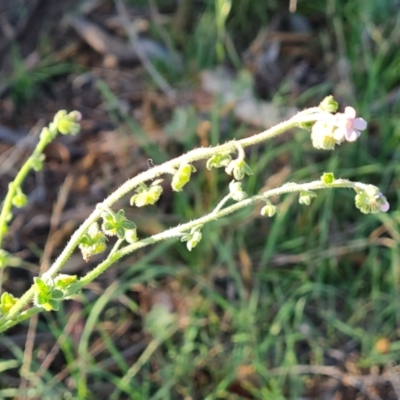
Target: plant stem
x=306, y=116
x=13, y=186
x=194, y=155
x=214, y=215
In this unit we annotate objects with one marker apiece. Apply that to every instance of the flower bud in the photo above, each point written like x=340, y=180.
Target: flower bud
x=322, y=135
x=218, y=161
x=93, y=242
x=269, y=210
x=193, y=238
x=7, y=301
x=238, y=168
x=370, y=200
x=328, y=178
x=20, y=199
x=63, y=281
x=131, y=235
x=306, y=196
x=147, y=195
x=68, y=123
x=37, y=163
x=329, y=104
x=182, y=176
x=236, y=191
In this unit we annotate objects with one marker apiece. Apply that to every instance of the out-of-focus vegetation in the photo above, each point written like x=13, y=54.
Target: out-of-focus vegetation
x=303, y=305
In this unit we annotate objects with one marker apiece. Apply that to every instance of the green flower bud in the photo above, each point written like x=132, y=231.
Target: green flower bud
x=63, y=281
x=20, y=199
x=218, y=161
x=182, y=176
x=329, y=104
x=7, y=301
x=67, y=123
x=147, y=195
x=93, y=242
x=131, y=235
x=328, y=178
x=193, y=238
x=37, y=163
x=238, y=168
x=306, y=196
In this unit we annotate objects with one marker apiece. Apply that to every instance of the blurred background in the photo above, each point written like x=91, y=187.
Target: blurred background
x=304, y=305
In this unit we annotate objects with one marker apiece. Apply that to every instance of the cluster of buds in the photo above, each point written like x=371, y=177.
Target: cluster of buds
x=369, y=200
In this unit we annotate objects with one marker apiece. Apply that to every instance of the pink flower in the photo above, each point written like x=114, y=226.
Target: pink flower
x=348, y=126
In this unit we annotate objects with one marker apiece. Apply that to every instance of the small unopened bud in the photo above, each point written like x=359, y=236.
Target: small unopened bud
x=269, y=210
x=306, y=196
x=329, y=104
x=238, y=169
x=236, y=191
x=328, y=178
x=20, y=199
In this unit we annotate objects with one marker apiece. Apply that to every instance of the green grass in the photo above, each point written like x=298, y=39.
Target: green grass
x=317, y=279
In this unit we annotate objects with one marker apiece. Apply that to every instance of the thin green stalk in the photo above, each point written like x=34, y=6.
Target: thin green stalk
x=13, y=186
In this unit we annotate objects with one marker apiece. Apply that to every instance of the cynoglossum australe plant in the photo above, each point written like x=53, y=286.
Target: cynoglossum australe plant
x=329, y=128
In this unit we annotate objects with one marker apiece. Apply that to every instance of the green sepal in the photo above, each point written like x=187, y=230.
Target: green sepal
x=63, y=281
x=115, y=224
x=46, y=295
x=329, y=104
x=51, y=305
x=40, y=285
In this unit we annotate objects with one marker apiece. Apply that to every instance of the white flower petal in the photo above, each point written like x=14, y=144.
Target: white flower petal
x=385, y=206
x=360, y=124
x=350, y=112
x=352, y=135
x=339, y=134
